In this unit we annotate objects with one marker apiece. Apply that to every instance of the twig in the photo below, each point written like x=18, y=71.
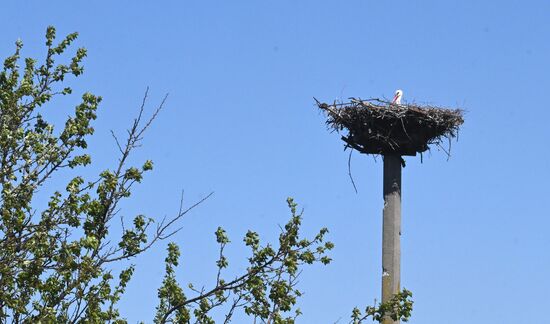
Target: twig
x=349, y=171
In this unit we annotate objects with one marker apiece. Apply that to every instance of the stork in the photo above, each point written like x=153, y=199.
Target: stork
x=397, y=97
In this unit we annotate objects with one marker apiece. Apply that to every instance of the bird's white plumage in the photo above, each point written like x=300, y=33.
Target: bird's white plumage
x=397, y=97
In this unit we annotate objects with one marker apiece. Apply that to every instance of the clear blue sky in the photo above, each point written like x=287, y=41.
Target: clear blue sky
x=240, y=121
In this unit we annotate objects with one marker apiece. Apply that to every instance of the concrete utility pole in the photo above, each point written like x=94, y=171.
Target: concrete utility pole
x=391, y=230
x=392, y=130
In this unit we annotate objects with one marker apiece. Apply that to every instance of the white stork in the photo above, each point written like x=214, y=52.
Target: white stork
x=397, y=97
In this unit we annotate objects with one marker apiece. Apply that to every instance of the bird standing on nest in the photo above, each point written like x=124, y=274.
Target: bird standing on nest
x=397, y=97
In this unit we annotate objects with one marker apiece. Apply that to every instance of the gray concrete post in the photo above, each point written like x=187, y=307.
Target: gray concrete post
x=391, y=230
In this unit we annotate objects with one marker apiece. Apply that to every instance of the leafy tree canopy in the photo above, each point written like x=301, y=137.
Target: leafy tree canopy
x=57, y=262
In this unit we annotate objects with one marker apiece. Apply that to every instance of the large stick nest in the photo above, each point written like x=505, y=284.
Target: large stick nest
x=375, y=126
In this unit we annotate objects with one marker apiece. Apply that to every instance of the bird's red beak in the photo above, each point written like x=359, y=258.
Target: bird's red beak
x=395, y=98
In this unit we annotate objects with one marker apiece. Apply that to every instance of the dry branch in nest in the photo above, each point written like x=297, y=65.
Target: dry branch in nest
x=379, y=127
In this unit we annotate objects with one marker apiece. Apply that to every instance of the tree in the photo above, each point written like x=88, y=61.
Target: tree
x=57, y=261
x=399, y=307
